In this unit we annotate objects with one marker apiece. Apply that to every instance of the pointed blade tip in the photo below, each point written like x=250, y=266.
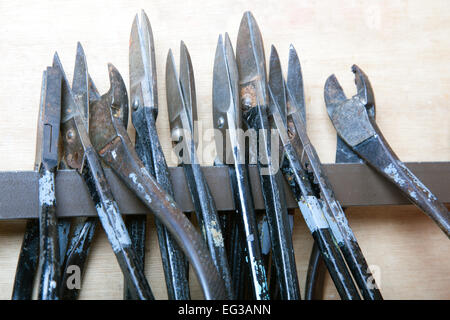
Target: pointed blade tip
x=80, y=48
x=248, y=15
x=56, y=60
x=273, y=50
x=169, y=57
x=183, y=45
x=274, y=53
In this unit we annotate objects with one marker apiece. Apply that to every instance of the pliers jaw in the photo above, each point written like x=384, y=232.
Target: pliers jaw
x=364, y=90
x=117, y=96
x=73, y=120
x=335, y=96
x=355, y=124
x=351, y=117
x=108, y=115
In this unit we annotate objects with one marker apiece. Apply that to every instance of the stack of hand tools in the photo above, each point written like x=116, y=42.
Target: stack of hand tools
x=259, y=118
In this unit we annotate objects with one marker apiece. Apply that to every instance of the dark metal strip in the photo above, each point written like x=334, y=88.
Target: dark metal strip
x=354, y=185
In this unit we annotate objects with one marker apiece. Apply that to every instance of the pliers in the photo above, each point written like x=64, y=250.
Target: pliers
x=83, y=229
x=42, y=239
x=286, y=108
x=181, y=102
x=144, y=103
x=253, y=93
x=49, y=122
x=108, y=137
x=80, y=155
x=353, y=123
x=114, y=147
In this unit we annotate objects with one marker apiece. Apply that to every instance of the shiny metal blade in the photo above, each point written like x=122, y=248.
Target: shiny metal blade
x=175, y=101
x=80, y=84
x=295, y=84
x=69, y=106
x=187, y=83
x=143, y=89
x=40, y=124
x=226, y=112
x=276, y=84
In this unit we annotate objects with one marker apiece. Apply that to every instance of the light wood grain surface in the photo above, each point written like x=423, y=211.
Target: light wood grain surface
x=403, y=46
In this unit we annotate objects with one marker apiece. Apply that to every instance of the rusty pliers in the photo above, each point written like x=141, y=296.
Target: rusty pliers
x=108, y=137
x=360, y=132
x=80, y=154
x=83, y=228
x=111, y=141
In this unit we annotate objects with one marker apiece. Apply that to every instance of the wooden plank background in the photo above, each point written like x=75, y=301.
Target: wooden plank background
x=403, y=46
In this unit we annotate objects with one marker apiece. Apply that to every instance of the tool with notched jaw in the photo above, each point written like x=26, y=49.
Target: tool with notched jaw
x=252, y=73
x=144, y=102
x=181, y=103
x=51, y=253
x=287, y=107
x=80, y=155
x=83, y=228
x=111, y=141
x=360, y=132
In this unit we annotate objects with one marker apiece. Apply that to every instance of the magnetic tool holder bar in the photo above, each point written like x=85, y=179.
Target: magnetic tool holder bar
x=354, y=185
